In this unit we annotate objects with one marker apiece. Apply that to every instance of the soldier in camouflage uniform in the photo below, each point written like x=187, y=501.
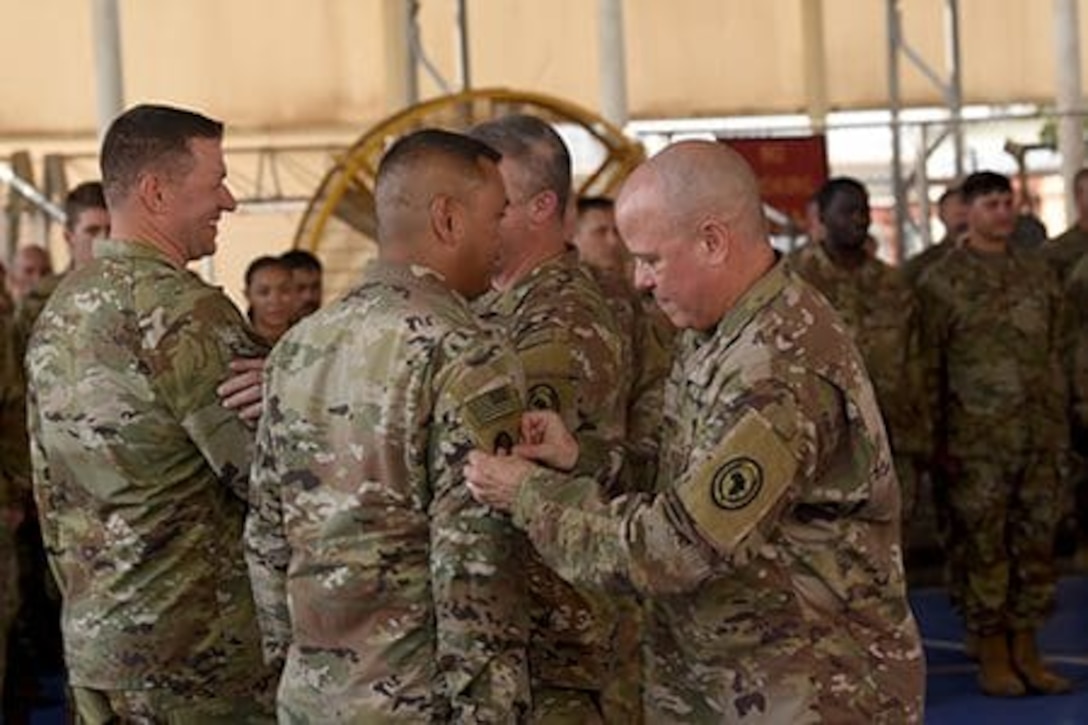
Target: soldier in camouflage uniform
x=880, y=314
x=1068, y=248
x=991, y=330
x=14, y=482
x=392, y=595
x=140, y=475
x=646, y=331
x=770, y=548
x=953, y=215
x=573, y=356
x=86, y=219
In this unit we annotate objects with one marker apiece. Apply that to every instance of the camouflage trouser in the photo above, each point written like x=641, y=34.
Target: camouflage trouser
x=564, y=706
x=9, y=597
x=161, y=707
x=621, y=698
x=1004, y=515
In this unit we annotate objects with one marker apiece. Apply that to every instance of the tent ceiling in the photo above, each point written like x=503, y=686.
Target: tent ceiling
x=279, y=65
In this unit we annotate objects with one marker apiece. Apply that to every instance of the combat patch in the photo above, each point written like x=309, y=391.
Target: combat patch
x=736, y=483
x=544, y=397
x=739, y=482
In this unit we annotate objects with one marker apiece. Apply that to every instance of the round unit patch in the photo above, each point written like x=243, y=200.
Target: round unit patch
x=736, y=484
x=504, y=442
x=543, y=397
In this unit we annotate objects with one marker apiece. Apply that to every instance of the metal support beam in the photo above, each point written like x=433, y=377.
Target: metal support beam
x=401, y=82
x=899, y=192
x=109, y=75
x=950, y=90
x=464, y=67
x=1069, y=97
x=815, y=62
x=612, y=61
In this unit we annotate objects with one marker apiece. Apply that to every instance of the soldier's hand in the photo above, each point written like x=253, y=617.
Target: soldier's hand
x=241, y=392
x=544, y=438
x=495, y=480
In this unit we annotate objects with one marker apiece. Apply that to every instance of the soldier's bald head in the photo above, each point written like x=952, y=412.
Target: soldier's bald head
x=419, y=168
x=690, y=180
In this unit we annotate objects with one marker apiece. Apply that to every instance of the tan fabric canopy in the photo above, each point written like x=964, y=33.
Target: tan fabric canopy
x=278, y=65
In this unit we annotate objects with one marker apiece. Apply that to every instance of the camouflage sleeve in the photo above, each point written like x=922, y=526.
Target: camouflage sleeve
x=480, y=605
x=934, y=319
x=14, y=447
x=267, y=550
x=188, y=360
x=723, y=506
x=920, y=439
x=1075, y=352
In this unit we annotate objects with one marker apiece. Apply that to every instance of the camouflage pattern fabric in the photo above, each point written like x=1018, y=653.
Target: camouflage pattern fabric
x=155, y=707
x=880, y=312
x=30, y=307
x=392, y=595
x=1066, y=250
x=913, y=269
x=1004, y=514
x=572, y=352
x=992, y=327
x=992, y=330
x=770, y=554
x=14, y=482
x=140, y=476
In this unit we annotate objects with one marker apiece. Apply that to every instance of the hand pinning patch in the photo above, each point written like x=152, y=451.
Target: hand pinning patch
x=736, y=484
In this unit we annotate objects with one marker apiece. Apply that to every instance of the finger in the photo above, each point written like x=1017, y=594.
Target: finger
x=236, y=383
x=242, y=399
x=252, y=413
x=246, y=364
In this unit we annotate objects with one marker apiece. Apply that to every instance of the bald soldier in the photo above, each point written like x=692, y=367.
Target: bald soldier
x=573, y=355
x=392, y=595
x=769, y=550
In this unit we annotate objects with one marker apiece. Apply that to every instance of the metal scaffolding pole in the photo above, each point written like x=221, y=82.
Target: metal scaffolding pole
x=464, y=67
x=815, y=62
x=1068, y=101
x=954, y=88
x=109, y=76
x=401, y=82
x=894, y=103
x=612, y=61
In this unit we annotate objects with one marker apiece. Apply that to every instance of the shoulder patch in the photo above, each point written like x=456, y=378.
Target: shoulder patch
x=733, y=490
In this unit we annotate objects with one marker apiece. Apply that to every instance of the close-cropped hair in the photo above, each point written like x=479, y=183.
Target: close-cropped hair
x=262, y=263
x=533, y=143
x=832, y=187
x=595, y=203
x=150, y=137
x=301, y=259
x=982, y=183
x=88, y=195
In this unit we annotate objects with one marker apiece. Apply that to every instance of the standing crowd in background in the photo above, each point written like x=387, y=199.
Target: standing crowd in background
x=550, y=460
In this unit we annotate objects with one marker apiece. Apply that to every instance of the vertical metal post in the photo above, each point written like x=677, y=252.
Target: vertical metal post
x=1068, y=101
x=463, y=66
x=612, y=61
x=401, y=83
x=109, y=75
x=954, y=91
x=894, y=103
x=815, y=62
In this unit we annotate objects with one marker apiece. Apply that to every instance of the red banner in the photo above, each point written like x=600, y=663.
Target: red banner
x=790, y=170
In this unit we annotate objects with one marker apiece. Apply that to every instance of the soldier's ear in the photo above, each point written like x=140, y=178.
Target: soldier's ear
x=446, y=223
x=715, y=239
x=151, y=191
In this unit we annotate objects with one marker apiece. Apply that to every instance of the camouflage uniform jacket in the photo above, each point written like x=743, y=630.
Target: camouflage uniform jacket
x=572, y=352
x=649, y=335
x=770, y=552
x=140, y=476
x=14, y=475
x=392, y=594
x=992, y=332
x=881, y=314
x=31, y=306
x=1065, y=250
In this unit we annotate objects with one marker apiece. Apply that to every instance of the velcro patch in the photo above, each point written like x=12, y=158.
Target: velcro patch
x=495, y=416
x=739, y=482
